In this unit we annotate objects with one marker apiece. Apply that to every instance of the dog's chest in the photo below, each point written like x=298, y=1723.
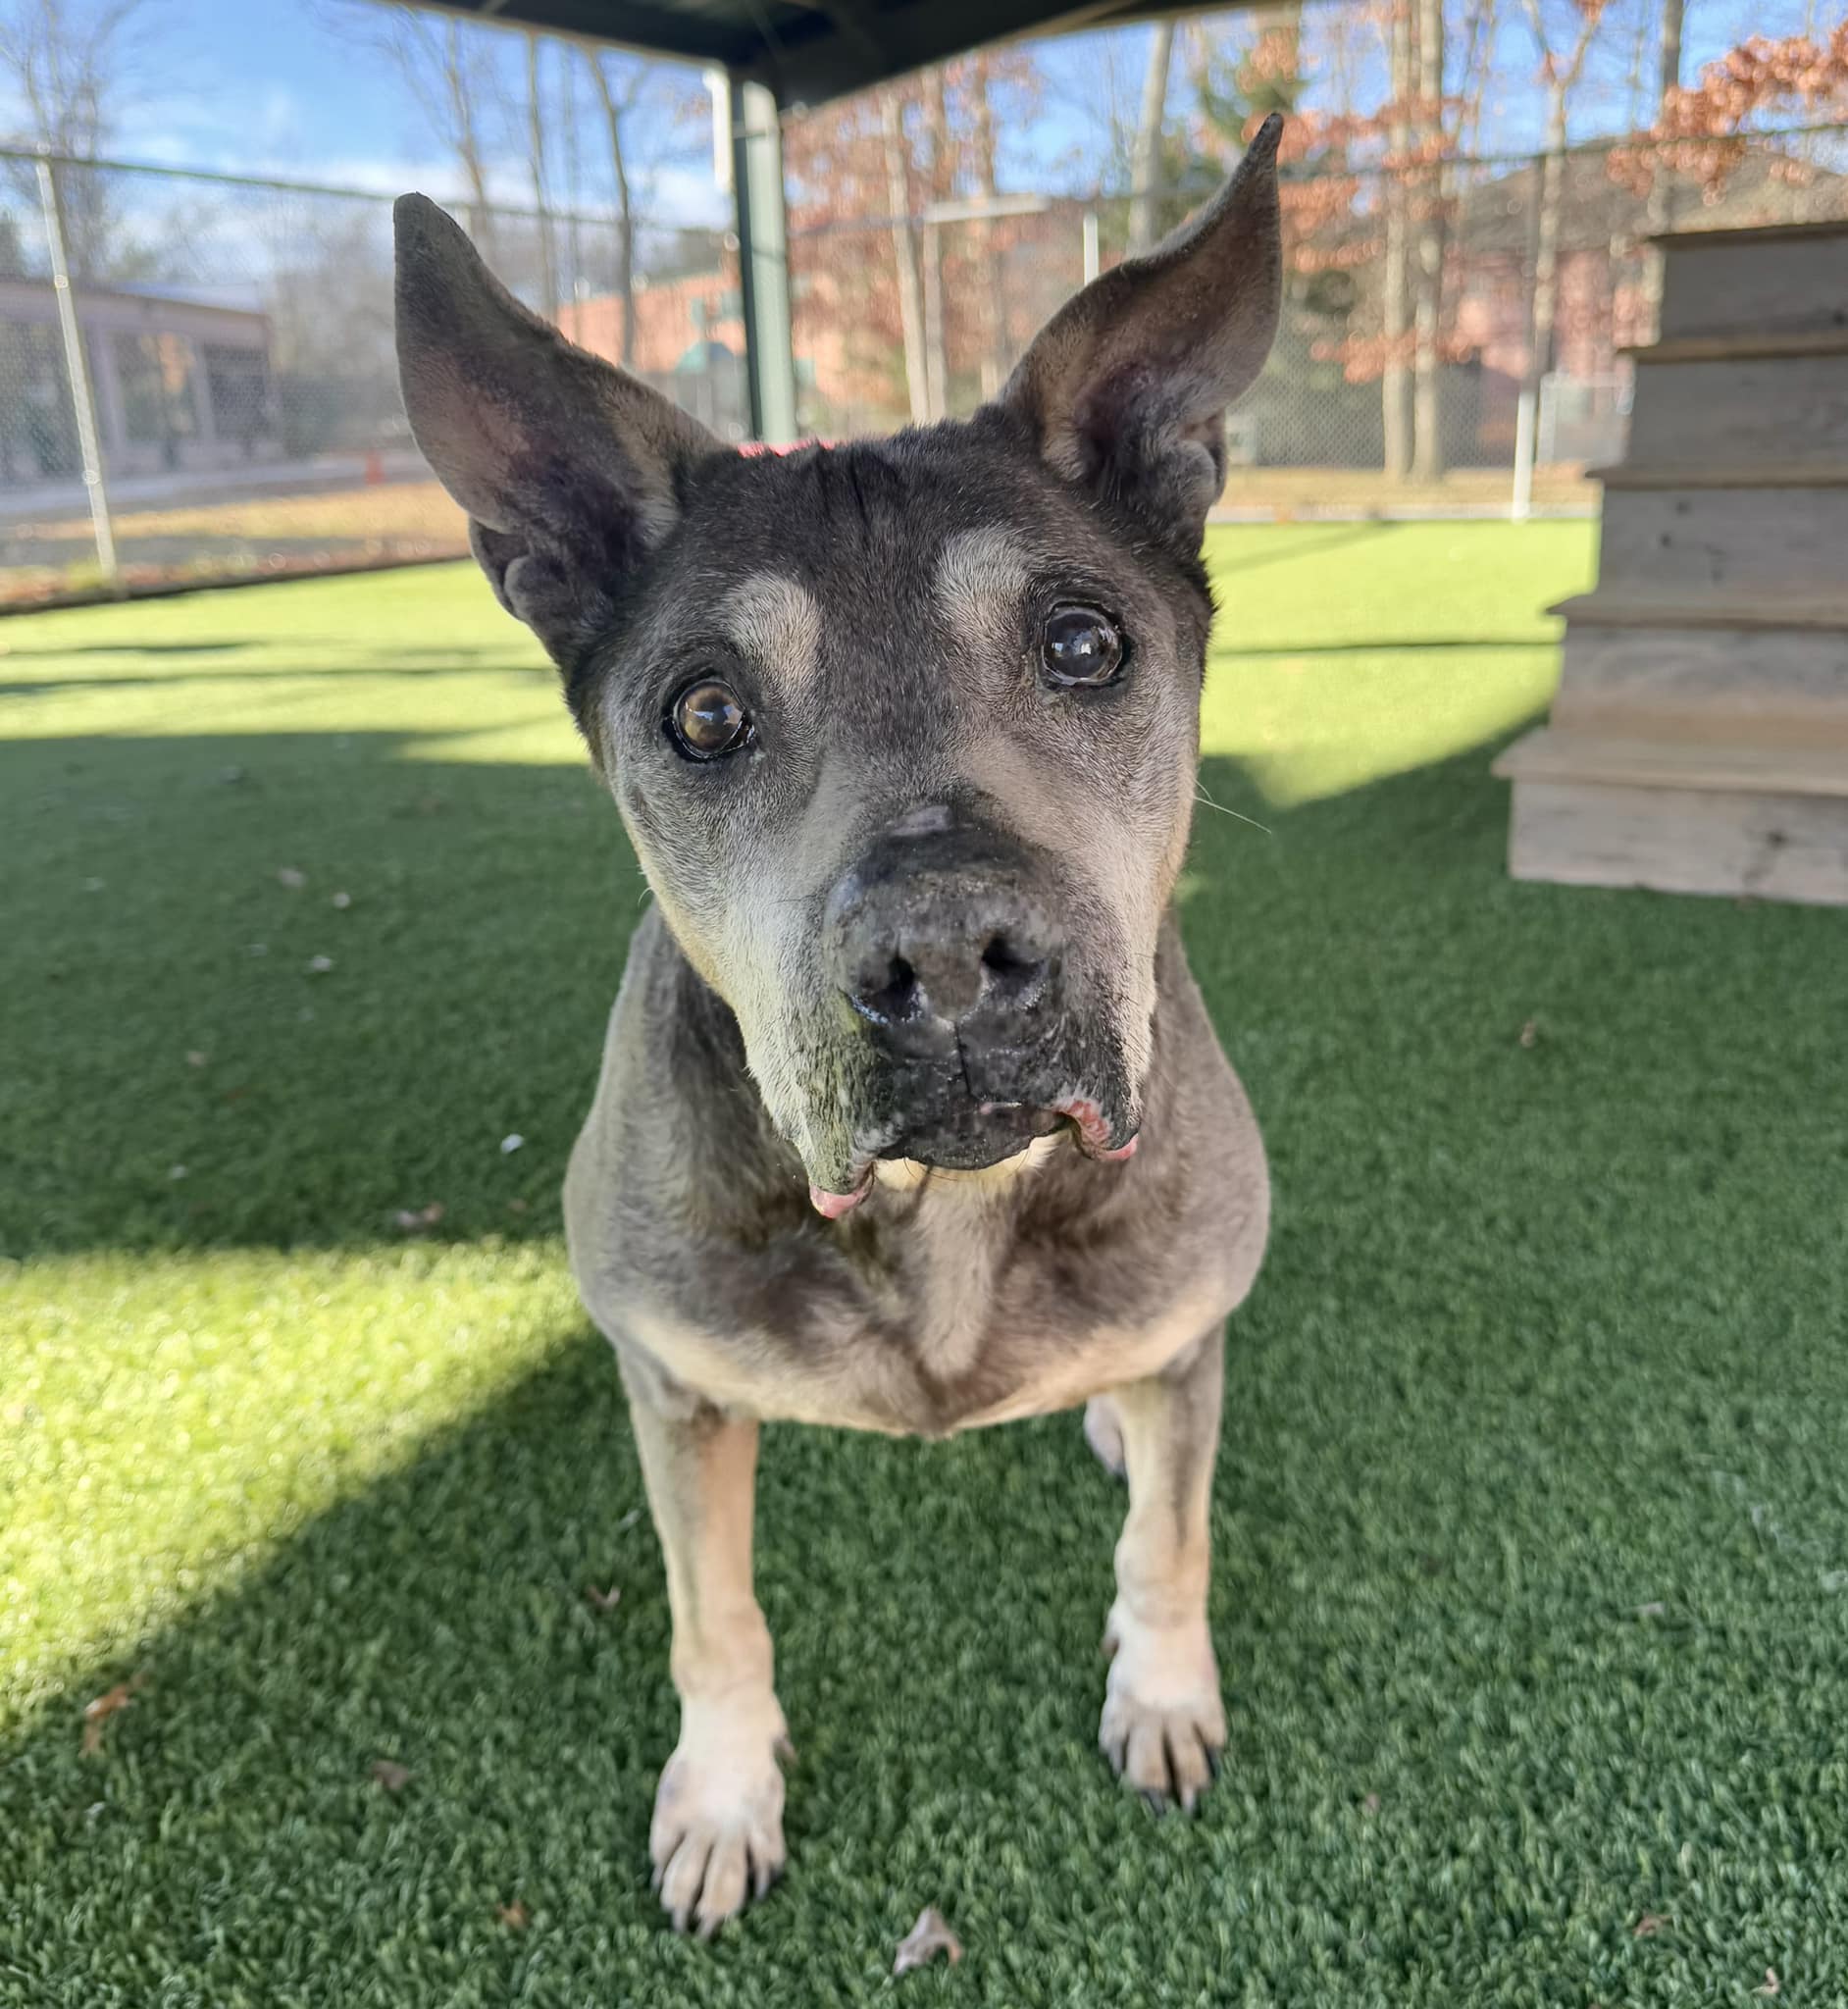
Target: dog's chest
x=947, y=1320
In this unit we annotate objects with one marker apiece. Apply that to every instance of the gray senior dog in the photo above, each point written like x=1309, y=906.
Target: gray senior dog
x=911, y=1116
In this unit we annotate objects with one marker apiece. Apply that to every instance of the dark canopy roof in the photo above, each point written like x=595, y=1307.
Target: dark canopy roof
x=808, y=50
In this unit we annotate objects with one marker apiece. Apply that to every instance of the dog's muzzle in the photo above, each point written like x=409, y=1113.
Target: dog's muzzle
x=945, y=945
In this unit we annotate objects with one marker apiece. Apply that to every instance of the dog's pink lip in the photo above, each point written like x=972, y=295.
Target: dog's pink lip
x=832, y=1206
x=1094, y=1131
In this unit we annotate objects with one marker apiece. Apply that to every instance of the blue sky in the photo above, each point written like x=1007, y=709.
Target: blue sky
x=288, y=87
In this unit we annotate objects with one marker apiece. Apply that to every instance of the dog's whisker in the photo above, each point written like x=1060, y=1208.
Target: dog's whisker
x=1201, y=795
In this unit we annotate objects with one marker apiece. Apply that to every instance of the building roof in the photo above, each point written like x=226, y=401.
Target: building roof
x=809, y=50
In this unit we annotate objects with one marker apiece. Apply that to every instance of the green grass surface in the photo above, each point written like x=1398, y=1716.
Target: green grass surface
x=1531, y=1523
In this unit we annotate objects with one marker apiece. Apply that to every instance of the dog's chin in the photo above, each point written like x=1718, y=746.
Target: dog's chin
x=974, y=1136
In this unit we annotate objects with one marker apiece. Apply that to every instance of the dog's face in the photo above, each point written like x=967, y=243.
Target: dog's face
x=904, y=731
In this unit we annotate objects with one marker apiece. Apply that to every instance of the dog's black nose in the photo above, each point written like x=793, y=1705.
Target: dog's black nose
x=942, y=941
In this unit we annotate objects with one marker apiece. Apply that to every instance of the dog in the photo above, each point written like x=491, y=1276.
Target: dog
x=912, y=1117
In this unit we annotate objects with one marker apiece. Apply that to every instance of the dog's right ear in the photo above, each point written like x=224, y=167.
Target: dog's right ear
x=569, y=470
x=1124, y=391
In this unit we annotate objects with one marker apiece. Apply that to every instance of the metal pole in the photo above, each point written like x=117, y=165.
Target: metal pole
x=77, y=369
x=1520, y=503
x=1093, y=262
x=764, y=260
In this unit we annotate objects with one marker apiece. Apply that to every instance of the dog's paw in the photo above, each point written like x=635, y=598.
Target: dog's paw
x=1163, y=1722
x=716, y=1838
x=1104, y=1432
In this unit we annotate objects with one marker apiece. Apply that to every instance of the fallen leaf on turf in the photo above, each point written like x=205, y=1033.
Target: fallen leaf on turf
x=110, y=1703
x=195, y=1059
x=926, y=1939
x=604, y=1600
x=411, y=1221
x=390, y=1774
x=1771, y=1986
x=1647, y=1926
x=514, y=1914
x=516, y=1206
x=1371, y=1803
x=291, y=878
x=1531, y=1034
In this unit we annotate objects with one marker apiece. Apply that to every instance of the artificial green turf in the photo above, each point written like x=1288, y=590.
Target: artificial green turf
x=1532, y=1522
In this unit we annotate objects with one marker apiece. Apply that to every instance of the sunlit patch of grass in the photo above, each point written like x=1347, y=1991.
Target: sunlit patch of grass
x=1344, y=653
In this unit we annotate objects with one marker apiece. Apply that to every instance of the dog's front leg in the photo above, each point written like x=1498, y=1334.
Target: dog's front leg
x=716, y=1838
x=1163, y=1720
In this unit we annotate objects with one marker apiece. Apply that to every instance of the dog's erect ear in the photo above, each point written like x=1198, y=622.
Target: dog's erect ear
x=569, y=470
x=1125, y=388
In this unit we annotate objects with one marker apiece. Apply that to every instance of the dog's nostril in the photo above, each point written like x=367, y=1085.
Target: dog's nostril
x=1010, y=963
x=892, y=992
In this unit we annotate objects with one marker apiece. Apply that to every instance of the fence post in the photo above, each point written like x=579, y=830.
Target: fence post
x=77, y=370
x=1520, y=503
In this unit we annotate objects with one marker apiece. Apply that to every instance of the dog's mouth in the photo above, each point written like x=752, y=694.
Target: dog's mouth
x=974, y=1137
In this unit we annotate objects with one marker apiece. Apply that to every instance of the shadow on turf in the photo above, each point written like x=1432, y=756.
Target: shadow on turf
x=438, y=1620
x=470, y=973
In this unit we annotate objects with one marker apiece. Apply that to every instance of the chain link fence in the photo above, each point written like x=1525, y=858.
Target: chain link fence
x=212, y=396
x=217, y=374
x=1379, y=398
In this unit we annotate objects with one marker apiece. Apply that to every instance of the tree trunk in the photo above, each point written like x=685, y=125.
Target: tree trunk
x=1427, y=409
x=625, y=214
x=467, y=144
x=905, y=252
x=1395, y=381
x=986, y=241
x=1544, y=311
x=535, y=143
x=1670, y=77
x=1661, y=183
x=936, y=345
x=1145, y=166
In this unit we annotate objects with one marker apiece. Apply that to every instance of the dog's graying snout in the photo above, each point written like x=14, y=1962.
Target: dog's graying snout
x=941, y=943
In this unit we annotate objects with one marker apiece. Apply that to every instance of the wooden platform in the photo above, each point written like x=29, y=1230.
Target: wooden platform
x=1699, y=741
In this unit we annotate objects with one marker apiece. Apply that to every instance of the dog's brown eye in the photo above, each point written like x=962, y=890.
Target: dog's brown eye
x=1080, y=645
x=706, y=720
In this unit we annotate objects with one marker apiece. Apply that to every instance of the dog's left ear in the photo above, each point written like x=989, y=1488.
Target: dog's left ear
x=569, y=469
x=1125, y=388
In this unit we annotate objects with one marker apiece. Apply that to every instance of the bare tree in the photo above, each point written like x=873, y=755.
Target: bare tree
x=536, y=162
x=71, y=63
x=1427, y=389
x=1394, y=379
x=905, y=251
x=449, y=74
x=615, y=109
x=1145, y=168
x=987, y=240
x=940, y=170
x=1564, y=49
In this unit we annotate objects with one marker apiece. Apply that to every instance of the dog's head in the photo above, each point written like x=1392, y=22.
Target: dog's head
x=904, y=731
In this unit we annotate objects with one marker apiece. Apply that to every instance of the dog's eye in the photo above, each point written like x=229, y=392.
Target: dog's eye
x=706, y=720
x=1080, y=645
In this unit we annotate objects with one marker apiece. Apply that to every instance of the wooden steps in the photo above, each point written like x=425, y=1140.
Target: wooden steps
x=1699, y=740
x=1591, y=813
x=1556, y=753
x=1791, y=279
x=1760, y=346
x=1695, y=607
x=1768, y=540
x=1781, y=473
x=1774, y=687
x=1759, y=410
